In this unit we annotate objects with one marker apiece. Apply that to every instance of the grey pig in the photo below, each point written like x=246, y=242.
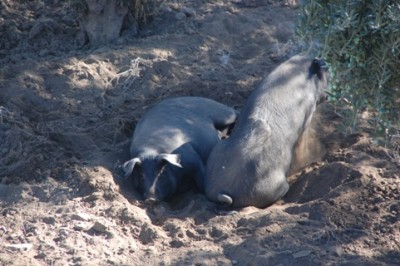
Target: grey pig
x=250, y=167
x=171, y=144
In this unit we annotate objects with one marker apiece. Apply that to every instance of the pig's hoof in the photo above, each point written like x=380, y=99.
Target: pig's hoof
x=150, y=201
x=225, y=199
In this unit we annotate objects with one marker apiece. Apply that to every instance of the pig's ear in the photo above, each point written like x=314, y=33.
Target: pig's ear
x=174, y=159
x=129, y=165
x=319, y=67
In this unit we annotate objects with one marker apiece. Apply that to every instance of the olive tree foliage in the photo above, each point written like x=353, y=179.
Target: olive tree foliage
x=103, y=20
x=361, y=41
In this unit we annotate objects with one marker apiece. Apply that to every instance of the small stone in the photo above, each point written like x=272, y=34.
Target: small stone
x=80, y=226
x=331, y=202
x=191, y=233
x=20, y=247
x=49, y=220
x=41, y=255
x=80, y=217
x=273, y=228
x=99, y=227
x=176, y=243
x=301, y=254
x=77, y=259
x=94, y=196
x=63, y=234
x=201, y=231
x=216, y=232
x=110, y=234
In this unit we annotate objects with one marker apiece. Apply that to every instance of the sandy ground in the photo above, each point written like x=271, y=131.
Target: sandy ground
x=67, y=113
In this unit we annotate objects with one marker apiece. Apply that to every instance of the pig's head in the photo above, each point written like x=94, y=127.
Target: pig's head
x=154, y=176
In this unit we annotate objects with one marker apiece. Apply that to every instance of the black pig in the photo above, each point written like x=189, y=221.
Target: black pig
x=250, y=167
x=171, y=144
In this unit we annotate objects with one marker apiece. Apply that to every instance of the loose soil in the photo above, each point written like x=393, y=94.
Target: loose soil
x=67, y=112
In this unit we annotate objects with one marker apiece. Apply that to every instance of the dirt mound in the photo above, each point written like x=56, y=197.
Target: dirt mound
x=67, y=113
